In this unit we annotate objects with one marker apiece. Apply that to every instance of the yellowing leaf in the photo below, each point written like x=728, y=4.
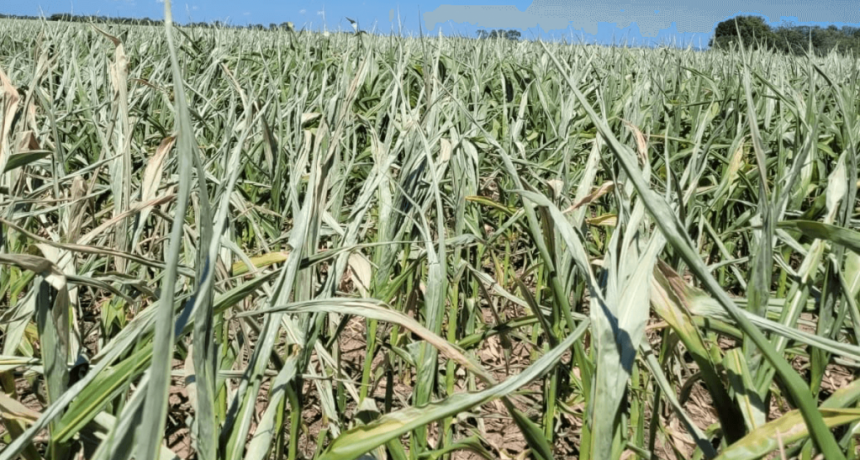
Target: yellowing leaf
x=605, y=188
x=606, y=220
x=791, y=428
x=239, y=268
x=12, y=409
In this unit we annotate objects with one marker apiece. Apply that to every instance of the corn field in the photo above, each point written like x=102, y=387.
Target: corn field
x=234, y=244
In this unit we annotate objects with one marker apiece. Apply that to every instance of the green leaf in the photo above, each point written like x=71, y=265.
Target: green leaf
x=835, y=234
x=105, y=387
x=19, y=160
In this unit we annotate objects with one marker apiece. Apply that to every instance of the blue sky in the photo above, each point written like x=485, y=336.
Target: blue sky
x=370, y=13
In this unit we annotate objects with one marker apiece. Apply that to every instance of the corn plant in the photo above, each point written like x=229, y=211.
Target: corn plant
x=229, y=244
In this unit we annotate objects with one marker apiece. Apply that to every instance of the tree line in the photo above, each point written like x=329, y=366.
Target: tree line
x=66, y=17
x=787, y=38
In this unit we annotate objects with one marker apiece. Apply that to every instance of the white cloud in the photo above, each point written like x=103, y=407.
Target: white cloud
x=303, y=11
x=247, y=13
x=194, y=8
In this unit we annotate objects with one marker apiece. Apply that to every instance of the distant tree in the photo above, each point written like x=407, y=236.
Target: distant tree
x=754, y=32
x=791, y=39
x=509, y=34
